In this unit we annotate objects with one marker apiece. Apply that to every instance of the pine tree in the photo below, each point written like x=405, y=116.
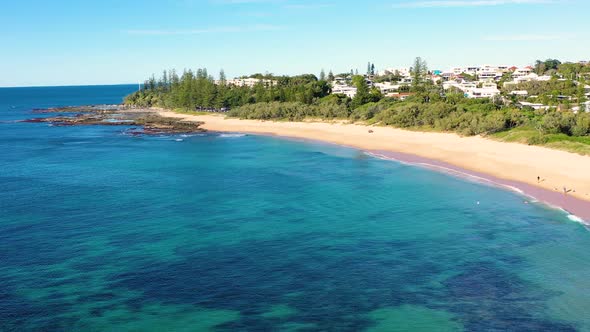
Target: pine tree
x=419, y=71
x=330, y=76
x=322, y=75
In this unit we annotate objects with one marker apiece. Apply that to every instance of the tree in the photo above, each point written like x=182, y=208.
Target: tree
x=362, y=91
x=551, y=64
x=369, y=68
x=372, y=69
x=322, y=75
x=222, y=79
x=419, y=71
x=331, y=76
x=540, y=67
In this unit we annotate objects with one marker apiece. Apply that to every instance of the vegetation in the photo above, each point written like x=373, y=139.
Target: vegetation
x=428, y=108
x=192, y=91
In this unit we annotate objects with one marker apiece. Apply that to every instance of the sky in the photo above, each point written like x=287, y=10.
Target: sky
x=72, y=42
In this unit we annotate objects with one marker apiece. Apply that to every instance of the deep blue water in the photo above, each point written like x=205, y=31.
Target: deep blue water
x=104, y=231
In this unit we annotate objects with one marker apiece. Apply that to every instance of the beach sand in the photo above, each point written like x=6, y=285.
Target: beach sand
x=513, y=162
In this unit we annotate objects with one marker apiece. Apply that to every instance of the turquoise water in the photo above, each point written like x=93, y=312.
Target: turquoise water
x=104, y=231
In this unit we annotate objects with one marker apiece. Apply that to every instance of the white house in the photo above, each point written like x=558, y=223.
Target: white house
x=347, y=90
x=470, y=89
x=522, y=93
x=487, y=92
x=250, y=82
x=524, y=71
x=536, y=106
x=404, y=72
x=387, y=87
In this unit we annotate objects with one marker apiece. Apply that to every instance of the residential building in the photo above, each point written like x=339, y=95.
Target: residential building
x=521, y=93
x=520, y=72
x=250, y=82
x=346, y=90
x=536, y=106
x=400, y=95
x=470, y=89
x=387, y=87
x=487, y=92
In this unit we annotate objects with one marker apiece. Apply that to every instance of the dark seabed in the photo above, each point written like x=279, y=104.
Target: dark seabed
x=104, y=231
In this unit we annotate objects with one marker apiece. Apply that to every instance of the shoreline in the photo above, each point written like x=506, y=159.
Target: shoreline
x=509, y=165
x=573, y=206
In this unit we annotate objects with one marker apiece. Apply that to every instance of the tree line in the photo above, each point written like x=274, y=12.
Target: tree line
x=197, y=89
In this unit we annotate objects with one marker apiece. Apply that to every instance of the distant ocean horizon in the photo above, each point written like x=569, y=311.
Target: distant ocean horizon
x=101, y=230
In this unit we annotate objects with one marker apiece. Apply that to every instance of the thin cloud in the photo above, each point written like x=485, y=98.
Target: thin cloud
x=228, y=29
x=468, y=3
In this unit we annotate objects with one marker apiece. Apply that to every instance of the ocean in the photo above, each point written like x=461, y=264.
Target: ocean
x=103, y=231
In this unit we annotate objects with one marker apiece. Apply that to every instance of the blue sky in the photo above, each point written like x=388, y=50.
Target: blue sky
x=71, y=42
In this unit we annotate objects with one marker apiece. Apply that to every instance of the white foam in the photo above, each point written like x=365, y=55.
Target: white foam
x=232, y=135
x=179, y=140
x=575, y=218
x=480, y=180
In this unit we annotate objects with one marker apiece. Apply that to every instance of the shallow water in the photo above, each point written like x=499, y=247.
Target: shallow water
x=104, y=231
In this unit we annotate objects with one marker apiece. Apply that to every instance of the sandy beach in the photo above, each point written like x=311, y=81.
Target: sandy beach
x=512, y=162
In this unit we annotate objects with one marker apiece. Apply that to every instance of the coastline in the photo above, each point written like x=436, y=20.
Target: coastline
x=509, y=165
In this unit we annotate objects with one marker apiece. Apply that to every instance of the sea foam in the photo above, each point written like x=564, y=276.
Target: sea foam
x=232, y=135
x=575, y=218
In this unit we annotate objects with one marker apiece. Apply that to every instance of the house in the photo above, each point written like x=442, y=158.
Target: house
x=521, y=93
x=387, y=87
x=584, y=107
x=346, y=90
x=520, y=72
x=461, y=85
x=531, y=77
x=447, y=75
x=473, y=70
x=457, y=71
x=250, y=82
x=406, y=81
x=470, y=89
x=399, y=95
x=535, y=106
x=404, y=72
x=483, y=92
x=339, y=80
